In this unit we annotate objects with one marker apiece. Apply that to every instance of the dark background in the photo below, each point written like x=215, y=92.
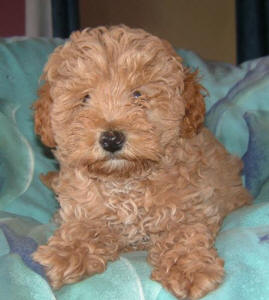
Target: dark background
x=222, y=30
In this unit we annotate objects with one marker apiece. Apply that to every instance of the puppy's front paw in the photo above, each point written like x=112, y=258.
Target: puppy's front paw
x=65, y=265
x=56, y=265
x=191, y=285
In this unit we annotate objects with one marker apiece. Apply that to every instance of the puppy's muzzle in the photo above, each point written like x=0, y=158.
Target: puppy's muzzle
x=112, y=141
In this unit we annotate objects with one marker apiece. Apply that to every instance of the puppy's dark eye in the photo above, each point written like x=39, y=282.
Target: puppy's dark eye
x=136, y=94
x=86, y=99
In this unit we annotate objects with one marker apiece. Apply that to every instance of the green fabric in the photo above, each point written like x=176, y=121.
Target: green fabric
x=237, y=113
x=22, y=157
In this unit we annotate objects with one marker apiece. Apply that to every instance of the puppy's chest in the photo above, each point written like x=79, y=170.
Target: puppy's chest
x=129, y=214
x=126, y=202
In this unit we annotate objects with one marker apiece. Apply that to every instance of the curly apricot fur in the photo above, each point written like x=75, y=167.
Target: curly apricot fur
x=169, y=187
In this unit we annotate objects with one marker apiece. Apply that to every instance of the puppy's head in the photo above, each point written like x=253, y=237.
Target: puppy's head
x=115, y=99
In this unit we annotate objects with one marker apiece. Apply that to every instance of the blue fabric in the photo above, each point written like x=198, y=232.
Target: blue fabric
x=237, y=113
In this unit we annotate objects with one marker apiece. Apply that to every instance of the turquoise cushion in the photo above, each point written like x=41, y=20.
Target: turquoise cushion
x=237, y=113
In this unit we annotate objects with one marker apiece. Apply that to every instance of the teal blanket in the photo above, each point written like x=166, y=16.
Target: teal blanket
x=237, y=113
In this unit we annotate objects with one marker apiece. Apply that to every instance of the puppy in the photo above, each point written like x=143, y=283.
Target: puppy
x=138, y=171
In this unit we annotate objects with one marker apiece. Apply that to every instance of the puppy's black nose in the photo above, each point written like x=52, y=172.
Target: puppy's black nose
x=112, y=141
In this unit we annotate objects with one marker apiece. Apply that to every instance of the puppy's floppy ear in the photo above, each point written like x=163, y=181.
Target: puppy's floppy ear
x=42, y=107
x=42, y=120
x=192, y=94
x=194, y=104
